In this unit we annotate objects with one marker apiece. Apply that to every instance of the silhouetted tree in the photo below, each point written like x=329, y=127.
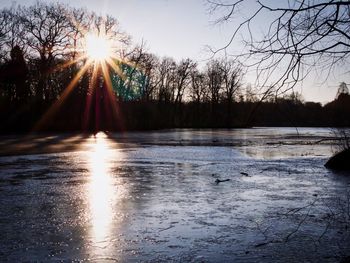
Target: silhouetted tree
x=133, y=74
x=215, y=80
x=339, y=110
x=251, y=94
x=149, y=66
x=48, y=32
x=20, y=73
x=4, y=20
x=214, y=76
x=14, y=75
x=198, y=89
x=166, y=74
x=343, y=89
x=182, y=78
x=232, y=77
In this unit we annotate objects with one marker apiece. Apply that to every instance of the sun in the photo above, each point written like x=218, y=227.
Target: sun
x=97, y=47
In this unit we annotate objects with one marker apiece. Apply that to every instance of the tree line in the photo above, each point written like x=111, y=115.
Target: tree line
x=42, y=56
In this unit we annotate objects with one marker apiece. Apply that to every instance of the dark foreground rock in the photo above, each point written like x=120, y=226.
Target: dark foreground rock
x=340, y=161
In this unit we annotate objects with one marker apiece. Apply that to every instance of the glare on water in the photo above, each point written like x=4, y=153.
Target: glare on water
x=100, y=188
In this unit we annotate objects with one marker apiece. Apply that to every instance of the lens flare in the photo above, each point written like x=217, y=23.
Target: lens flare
x=99, y=57
x=98, y=47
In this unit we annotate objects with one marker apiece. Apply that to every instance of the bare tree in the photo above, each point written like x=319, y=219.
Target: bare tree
x=166, y=73
x=149, y=66
x=215, y=79
x=299, y=36
x=48, y=32
x=135, y=79
x=6, y=19
x=109, y=27
x=182, y=78
x=198, y=88
x=11, y=32
x=251, y=94
x=79, y=22
x=232, y=77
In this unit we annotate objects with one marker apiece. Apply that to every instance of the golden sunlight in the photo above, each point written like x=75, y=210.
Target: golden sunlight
x=97, y=57
x=103, y=193
x=100, y=188
x=98, y=47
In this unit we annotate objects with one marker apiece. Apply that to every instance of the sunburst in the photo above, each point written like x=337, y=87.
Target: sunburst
x=97, y=52
x=98, y=47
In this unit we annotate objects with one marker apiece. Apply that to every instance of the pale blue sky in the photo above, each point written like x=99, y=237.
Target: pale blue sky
x=181, y=29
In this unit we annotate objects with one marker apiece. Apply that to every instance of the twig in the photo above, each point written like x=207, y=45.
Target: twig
x=301, y=222
x=167, y=228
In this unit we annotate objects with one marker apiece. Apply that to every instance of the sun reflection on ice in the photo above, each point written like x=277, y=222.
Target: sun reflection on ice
x=101, y=192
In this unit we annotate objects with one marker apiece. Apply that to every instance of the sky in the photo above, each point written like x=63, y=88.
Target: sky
x=183, y=29
x=179, y=29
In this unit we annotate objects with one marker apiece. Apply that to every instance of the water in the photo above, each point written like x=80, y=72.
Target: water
x=154, y=197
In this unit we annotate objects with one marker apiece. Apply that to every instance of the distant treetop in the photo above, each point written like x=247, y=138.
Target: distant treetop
x=343, y=89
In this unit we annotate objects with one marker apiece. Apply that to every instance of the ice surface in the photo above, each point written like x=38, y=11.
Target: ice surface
x=153, y=197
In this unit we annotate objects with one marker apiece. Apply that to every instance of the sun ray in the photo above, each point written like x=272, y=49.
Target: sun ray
x=91, y=90
x=110, y=94
x=69, y=63
x=54, y=108
x=101, y=65
x=116, y=68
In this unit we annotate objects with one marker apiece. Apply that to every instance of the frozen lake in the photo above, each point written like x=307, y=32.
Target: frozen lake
x=153, y=196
